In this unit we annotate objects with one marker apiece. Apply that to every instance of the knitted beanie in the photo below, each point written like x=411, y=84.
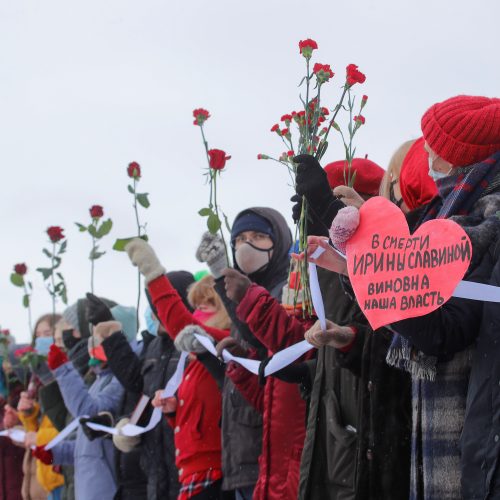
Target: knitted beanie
x=368, y=175
x=250, y=221
x=417, y=187
x=463, y=130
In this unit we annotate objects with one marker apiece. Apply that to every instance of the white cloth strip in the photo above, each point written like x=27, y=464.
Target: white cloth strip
x=64, y=433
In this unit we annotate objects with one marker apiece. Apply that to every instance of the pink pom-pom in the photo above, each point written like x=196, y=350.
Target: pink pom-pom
x=344, y=226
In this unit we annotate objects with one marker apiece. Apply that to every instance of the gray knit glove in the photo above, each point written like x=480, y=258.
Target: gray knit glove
x=142, y=255
x=211, y=250
x=187, y=342
x=125, y=443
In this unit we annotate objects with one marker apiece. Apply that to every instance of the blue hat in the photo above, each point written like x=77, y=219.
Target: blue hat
x=250, y=221
x=127, y=316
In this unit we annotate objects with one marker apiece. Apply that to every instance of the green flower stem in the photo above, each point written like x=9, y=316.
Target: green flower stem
x=337, y=109
x=307, y=106
x=92, y=265
x=53, y=293
x=29, y=307
x=216, y=208
x=136, y=210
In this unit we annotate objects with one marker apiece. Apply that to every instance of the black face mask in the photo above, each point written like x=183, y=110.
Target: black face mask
x=392, y=196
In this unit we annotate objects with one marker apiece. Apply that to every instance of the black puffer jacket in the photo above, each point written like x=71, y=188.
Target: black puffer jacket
x=148, y=374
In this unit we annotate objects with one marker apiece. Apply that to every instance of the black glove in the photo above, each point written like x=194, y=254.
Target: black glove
x=315, y=226
x=97, y=310
x=79, y=356
x=311, y=181
x=101, y=418
x=69, y=340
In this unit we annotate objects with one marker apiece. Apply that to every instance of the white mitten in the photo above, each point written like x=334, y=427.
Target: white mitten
x=125, y=443
x=143, y=256
x=187, y=342
x=211, y=250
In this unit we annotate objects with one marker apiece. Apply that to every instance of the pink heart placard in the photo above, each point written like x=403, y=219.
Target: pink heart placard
x=397, y=275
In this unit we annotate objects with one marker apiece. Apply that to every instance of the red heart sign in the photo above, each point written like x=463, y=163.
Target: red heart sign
x=396, y=275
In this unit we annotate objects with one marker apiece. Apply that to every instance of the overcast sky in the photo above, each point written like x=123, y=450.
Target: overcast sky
x=87, y=87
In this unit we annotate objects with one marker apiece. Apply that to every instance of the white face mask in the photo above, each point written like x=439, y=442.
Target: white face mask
x=436, y=175
x=251, y=259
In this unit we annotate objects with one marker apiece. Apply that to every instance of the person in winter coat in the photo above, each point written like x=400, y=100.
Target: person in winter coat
x=267, y=267
x=480, y=441
x=437, y=348
x=196, y=411
x=347, y=453
x=145, y=374
x=94, y=460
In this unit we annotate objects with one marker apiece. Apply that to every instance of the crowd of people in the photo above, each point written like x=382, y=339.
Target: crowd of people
x=407, y=411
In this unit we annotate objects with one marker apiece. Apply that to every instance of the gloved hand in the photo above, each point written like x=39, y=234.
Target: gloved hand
x=125, y=443
x=344, y=226
x=335, y=336
x=187, y=342
x=45, y=456
x=236, y=284
x=142, y=255
x=231, y=345
x=103, y=418
x=56, y=357
x=315, y=225
x=211, y=250
x=97, y=311
x=311, y=181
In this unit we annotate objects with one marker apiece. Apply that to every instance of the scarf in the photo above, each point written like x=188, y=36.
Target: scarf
x=458, y=193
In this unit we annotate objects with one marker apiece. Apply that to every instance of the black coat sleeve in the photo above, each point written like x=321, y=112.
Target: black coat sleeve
x=214, y=366
x=123, y=362
x=454, y=326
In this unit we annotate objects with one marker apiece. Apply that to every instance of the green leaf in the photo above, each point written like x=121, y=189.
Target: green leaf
x=63, y=246
x=121, y=243
x=95, y=254
x=205, y=212
x=104, y=228
x=57, y=262
x=30, y=286
x=142, y=199
x=130, y=189
x=213, y=223
x=17, y=279
x=26, y=300
x=81, y=227
x=47, y=253
x=64, y=295
x=46, y=272
x=93, y=231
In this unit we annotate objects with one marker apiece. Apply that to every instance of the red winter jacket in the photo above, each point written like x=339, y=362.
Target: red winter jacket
x=196, y=422
x=280, y=402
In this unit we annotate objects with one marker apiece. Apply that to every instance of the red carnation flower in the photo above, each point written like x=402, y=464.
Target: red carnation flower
x=275, y=128
x=290, y=154
x=23, y=350
x=200, y=116
x=217, y=159
x=285, y=132
x=21, y=269
x=323, y=72
x=354, y=75
x=306, y=47
x=96, y=211
x=360, y=119
x=134, y=170
x=324, y=111
x=55, y=233
x=5, y=331
x=286, y=118
x=262, y=156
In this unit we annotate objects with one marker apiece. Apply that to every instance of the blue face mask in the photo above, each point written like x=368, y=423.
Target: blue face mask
x=435, y=176
x=152, y=324
x=42, y=345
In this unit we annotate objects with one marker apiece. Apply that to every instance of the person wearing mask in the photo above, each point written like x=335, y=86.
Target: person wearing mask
x=462, y=141
x=196, y=411
x=268, y=267
x=146, y=374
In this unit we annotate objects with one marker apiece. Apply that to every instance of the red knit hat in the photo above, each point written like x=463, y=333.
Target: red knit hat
x=417, y=187
x=463, y=130
x=368, y=175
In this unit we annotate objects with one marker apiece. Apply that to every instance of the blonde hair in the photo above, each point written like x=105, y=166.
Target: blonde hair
x=394, y=168
x=203, y=292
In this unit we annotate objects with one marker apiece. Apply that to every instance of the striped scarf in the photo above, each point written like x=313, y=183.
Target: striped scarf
x=458, y=193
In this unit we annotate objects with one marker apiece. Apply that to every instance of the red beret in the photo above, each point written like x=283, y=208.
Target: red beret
x=417, y=187
x=368, y=175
